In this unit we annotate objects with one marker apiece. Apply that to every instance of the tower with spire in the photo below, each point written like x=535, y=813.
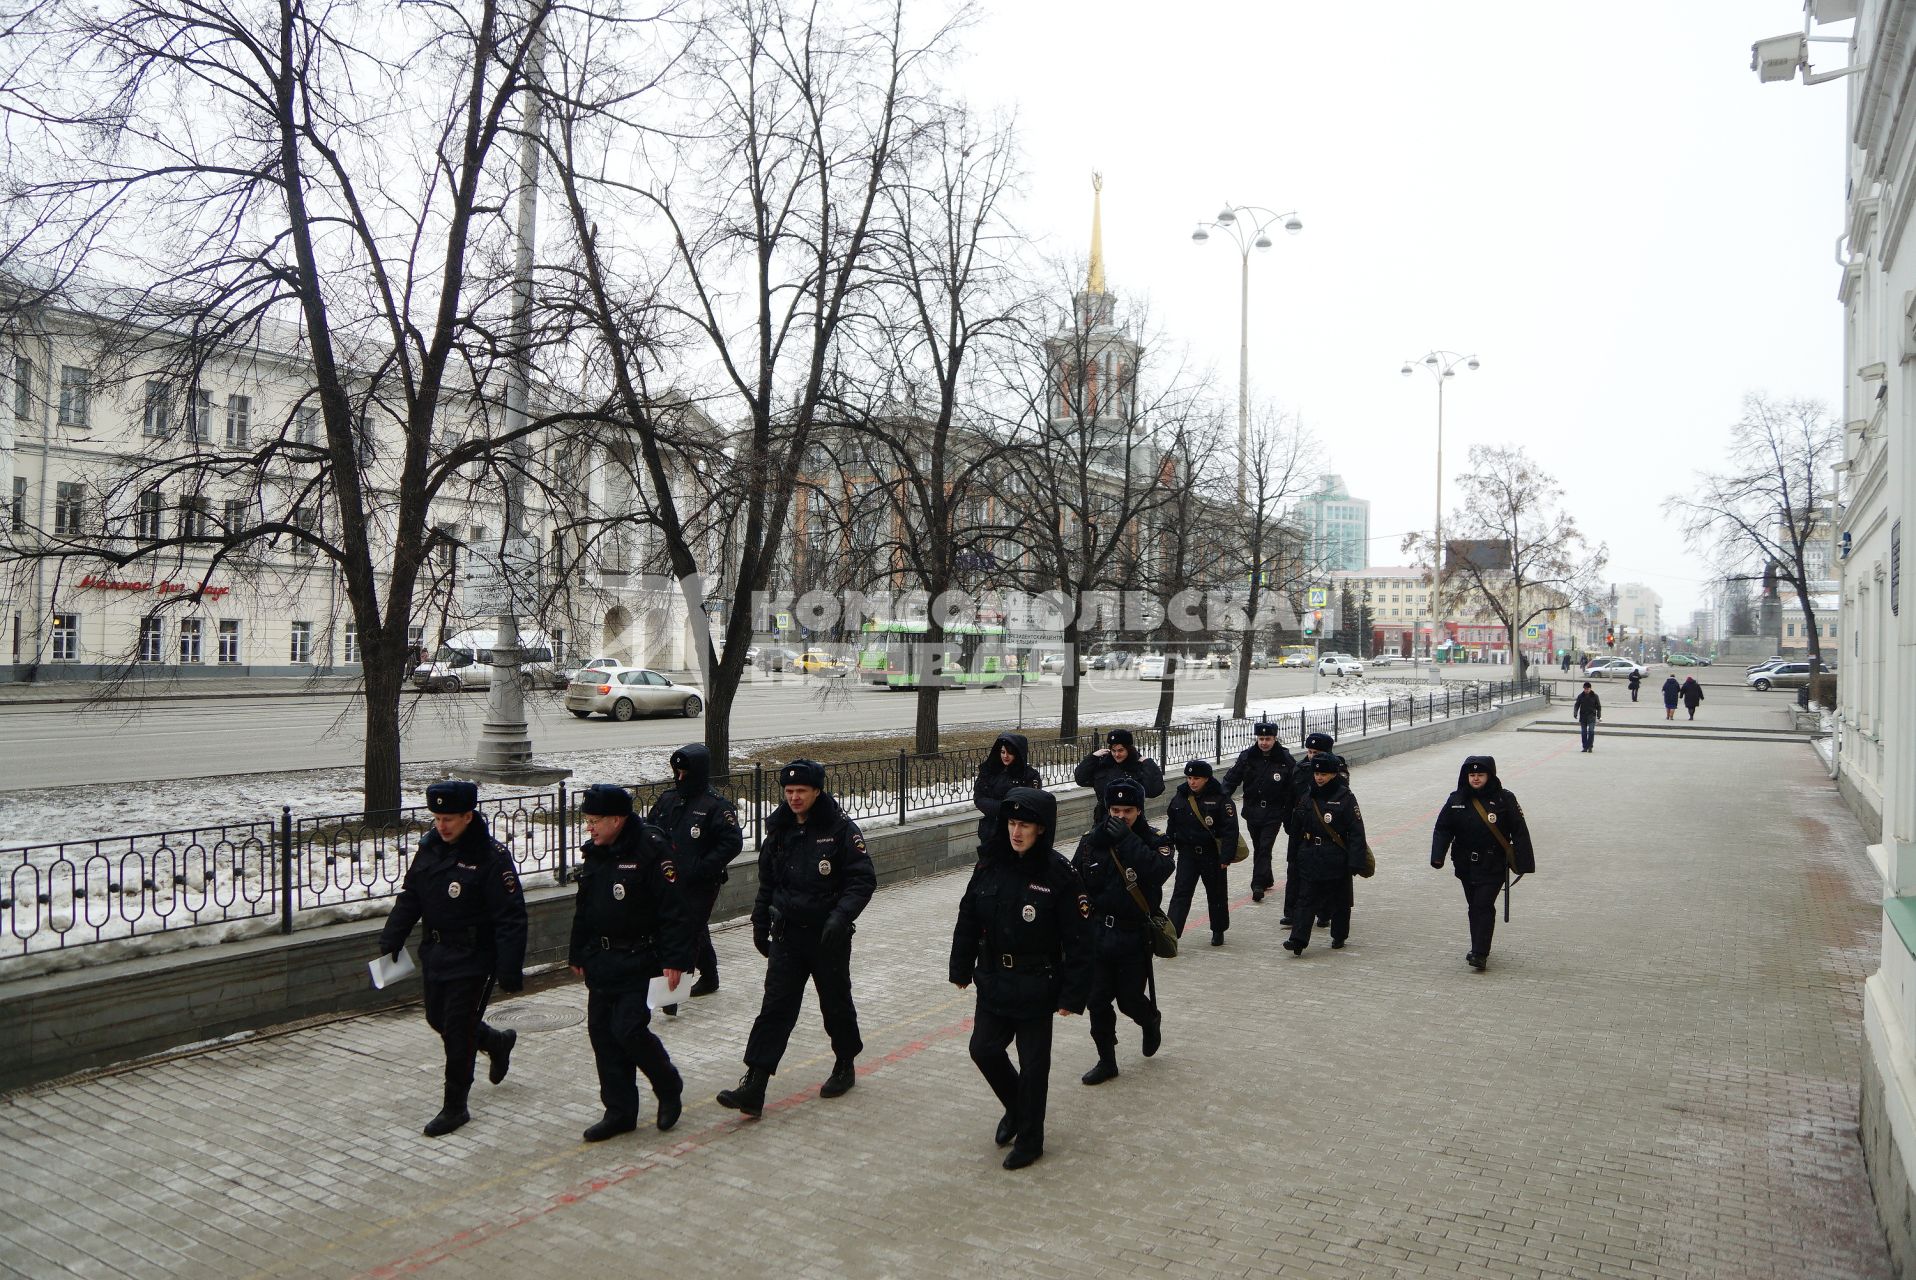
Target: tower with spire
x=1093, y=360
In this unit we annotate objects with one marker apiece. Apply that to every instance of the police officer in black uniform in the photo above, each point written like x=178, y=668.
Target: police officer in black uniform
x=463, y=885
x=629, y=926
x=1266, y=774
x=1024, y=935
x=814, y=877
x=1117, y=758
x=703, y=828
x=1004, y=767
x=1331, y=846
x=1202, y=824
x=1122, y=849
x=1467, y=828
x=1315, y=744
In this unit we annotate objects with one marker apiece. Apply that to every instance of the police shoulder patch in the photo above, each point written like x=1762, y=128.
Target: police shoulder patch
x=666, y=868
x=511, y=880
x=858, y=840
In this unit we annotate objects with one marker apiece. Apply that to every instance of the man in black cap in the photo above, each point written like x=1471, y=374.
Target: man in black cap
x=1266, y=774
x=1331, y=847
x=1315, y=745
x=629, y=926
x=1117, y=758
x=814, y=877
x=703, y=827
x=1586, y=711
x=1202, y=824
x=1024, y=935
x=1120, y=850
x=462, y=883
x=1482, y=826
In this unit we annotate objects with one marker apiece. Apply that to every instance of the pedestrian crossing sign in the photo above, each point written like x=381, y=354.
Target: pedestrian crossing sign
x=1320, y=596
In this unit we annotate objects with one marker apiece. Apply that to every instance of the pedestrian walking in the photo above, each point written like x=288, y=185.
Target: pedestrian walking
x=1117, y=758
x=1566, y=662
x=1024, y=937
x=1636, y=683
x=1332, y=847
x=632, y=921
x=1264, y=773
x=1482, y=828
x=1004, y=767
x=1315, y=745
x=814, y=877
x=1692, y=695
x=1586, y=711
x=1202, y=824
x=1672, y=691
x=1120, y=851
x=462, y=885
x=703, y=828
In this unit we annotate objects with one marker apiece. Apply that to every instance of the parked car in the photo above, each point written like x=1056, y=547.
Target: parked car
x=1685, y=660
x=1260, y=660
x=1619, y=668
x=589, y=667
x=1766, y=664
x=774, y=658
x=464, y=661
x=1389, y=660
x=819, y=662
x=1112, y=660
x=1151, y=667
x=1052, y=664
x=626, y=692
x=1295, y=660
x=1339, y=664
x=1784, y=675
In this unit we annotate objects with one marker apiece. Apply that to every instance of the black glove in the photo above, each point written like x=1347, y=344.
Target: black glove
x=1113, y=830
x=836, y=933
x=762, y=939
x=1437, y=864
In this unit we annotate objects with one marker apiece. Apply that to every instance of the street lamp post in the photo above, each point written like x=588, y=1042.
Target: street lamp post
x=1442, y=365
x=1249, y=227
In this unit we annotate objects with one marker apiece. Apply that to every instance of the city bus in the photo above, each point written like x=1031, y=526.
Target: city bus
x=895, y=655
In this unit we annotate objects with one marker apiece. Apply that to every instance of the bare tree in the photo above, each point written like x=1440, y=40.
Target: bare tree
x=1513, y=549
x=1187, y=563
x=1283, y=460
x=325, y=192
x=1771, y=509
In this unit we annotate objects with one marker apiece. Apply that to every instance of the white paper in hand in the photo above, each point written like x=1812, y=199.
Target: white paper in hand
x=387, y=970
x=658, y=994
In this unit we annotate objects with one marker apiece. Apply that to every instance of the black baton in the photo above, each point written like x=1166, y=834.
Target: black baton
x=1509, y=884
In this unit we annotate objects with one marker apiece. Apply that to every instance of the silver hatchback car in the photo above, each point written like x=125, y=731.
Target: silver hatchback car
x=625, y=692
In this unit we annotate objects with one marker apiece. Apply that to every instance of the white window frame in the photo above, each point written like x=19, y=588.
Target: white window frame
x=64, y=638
x=239, y=419
x=76, y=395
x=69, y=507
x=192, y=652
x=23, y=388
x=350, y=643
x=158, y=409
x=299, y=646
x=149, y=514
x=228, y=655
x=152, y=643
x=199, y=415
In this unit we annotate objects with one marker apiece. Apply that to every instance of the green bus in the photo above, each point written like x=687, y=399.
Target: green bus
x=895, y=656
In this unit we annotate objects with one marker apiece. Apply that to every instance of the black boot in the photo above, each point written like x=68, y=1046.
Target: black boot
x=706, y=985
x=1217, y=937
x=1476, y=961
x=669, y=1109
x=1007, y=1130
x=1106, y=1069
x=1153, y=1036
x=749, y=1096
x=502, y=1056
x=1019, y=1158
x=450, y=1117
x=611, y=1126
x=1257, y=895
x=839, y=1083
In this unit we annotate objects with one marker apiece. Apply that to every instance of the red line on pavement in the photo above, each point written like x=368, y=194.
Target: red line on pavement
x=434, y=1254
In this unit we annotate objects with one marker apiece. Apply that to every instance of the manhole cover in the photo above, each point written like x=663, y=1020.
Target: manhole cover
x=533, y=1018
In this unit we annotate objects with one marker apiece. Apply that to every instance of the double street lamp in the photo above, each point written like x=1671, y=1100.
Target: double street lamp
x=1249, y=226
x=1441, y=365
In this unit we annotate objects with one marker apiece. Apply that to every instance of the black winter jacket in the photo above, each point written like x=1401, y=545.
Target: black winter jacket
x=1267, y=780
x=1318, y=856
x=811, y=872
x=469, y=893
x=1115, y=917
x=1476, y=855
x=629, y=917
x=1096, y=771
x=995, y=778
x=701, y=824
x=1588, y=707
x=1204, y=823
x=1033, y=909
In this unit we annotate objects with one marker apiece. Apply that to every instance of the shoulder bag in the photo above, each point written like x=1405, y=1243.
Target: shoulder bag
x=1163, y=939
x=1483, y=815
x=1368, y=867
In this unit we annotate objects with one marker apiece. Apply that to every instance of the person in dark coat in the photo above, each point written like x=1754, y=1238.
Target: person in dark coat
x=1122, y=849
x=1586, y=711
x=1692, y=695
x=1467, y=828
x=463, y=885
x=1024, y=936
x=1202, y=824
x=1265, y=773
x=1636, y=684
x=1004, y=767
x=1331, y=845
x=631, y=922
x=814, y=877
x=1117, y=758
x=1315, y=745
x=703, y=828
x=1672, y=691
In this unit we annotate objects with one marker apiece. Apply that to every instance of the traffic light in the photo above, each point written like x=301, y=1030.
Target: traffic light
x=1312, y=623
x=1610, y=638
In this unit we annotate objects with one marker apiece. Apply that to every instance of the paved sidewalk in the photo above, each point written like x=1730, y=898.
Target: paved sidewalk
x=1657, y=1077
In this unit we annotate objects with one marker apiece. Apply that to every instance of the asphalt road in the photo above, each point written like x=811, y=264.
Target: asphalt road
x=180, y=738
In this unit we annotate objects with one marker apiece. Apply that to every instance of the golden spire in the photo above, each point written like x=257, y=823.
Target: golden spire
x=1095, y=284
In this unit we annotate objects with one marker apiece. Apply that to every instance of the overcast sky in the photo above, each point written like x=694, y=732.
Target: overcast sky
x=1601, y=202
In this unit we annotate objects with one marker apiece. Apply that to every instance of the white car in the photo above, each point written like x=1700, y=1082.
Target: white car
x=1339, y=664
x=1388, y=660
x=1295, y=660
x=1618, y=667
x=626, y=692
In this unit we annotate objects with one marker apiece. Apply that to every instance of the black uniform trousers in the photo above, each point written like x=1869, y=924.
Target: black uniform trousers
x=1119, y=980
x=1481, y=895
x=1331, y=898
x=699, y=900
x=1024, y=1088
x=1192, y=867
x=1263, y=836
x=797, y=957
x=623, y=1043
x=456, y=1009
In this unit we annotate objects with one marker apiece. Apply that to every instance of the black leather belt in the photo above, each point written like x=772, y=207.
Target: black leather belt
x=466, y=937
x=625, y=944
x=1024, y=963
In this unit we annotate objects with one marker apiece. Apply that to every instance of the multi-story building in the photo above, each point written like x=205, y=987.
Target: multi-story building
x=1397, y=598
x=1337, y=525
x=1639, y=616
